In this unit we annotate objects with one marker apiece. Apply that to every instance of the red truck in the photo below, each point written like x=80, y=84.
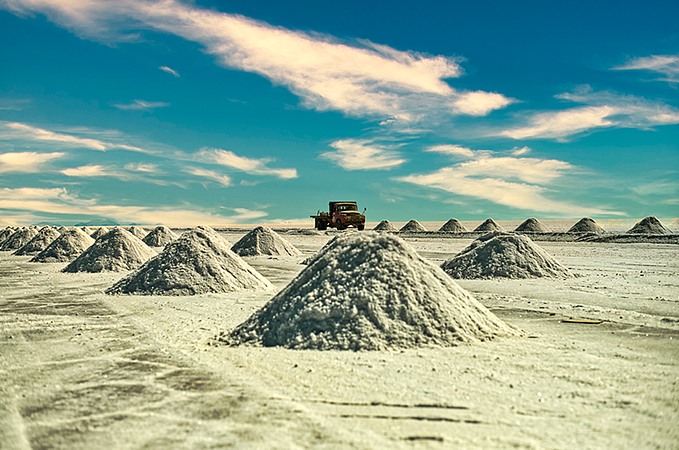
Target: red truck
x=342, y=215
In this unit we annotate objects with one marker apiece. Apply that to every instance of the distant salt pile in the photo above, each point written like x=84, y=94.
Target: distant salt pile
x=99, y=232
x=649, y=225
x=503, y=255
x=532, y=225
x=264, y=241
x=199, y=262
x=369, y=291
x=488, y=226
x=87, y=231
x=586, y=225
x=385, y=225
x=18, y=239
x=6, y=233
x=160, y=236
x=412, y=227
x=116, y=251
x=138, y=232
x=65, y=248
x=453, y=226
x=40, y=242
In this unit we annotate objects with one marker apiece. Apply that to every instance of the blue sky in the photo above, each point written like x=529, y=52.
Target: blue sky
x=214, y=112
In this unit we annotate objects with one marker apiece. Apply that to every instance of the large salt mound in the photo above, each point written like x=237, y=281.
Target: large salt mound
x=385, y=225
x=264, y=241
x=412, y=227
x=488, y=226
x=40, y=242
x=99, y=232
x=649, y=225
x=138, y=231
x=160, y=236
x=19, y=239
x=586, y=225
x=369, y=291
x=116, y=251
x=532, y=225
x=66, y=247
x=504, y=255
x=453, y=226
x=198, y=262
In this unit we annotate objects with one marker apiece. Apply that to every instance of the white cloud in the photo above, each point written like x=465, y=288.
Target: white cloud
x=141, y=105
x=480, y=103
x=170, y=71
x=667, y=65
x=453, y=150
x=224, y=180
x=89, y=171
x=141, y=167
x=521, y=151
x=559, y=124
x=357, y=154
x=26, y=162
x=250, y=166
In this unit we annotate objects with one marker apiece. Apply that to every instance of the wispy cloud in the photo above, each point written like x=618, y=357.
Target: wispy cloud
x=16, y=131
x=250, y=166
x=667, y=65
x=141, y=105
x=452, y=150
x=358, y=154
x=26, y=162
x=224, y=180
x=141, y=167
x=14, y=104
x=90, y=171
x=170, y=71
x=480, y=103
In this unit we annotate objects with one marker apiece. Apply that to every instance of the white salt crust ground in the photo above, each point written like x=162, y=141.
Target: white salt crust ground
x=81, y=369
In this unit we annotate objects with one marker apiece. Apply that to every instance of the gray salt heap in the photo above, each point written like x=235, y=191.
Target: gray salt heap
x=18, y=239
x=99, y=232
x=138, y=232
x=412, y=227
x=488, y=226
x=369, y=291
x=649, y=225
x=40, y=242
x=453, y=226
x=66, y=247
x=503, y=255
x=199, y=262
x=160, y=236
x=264, y=241
x=586, y=225
x=532, y=226
x=116, y=251
x=385, y=225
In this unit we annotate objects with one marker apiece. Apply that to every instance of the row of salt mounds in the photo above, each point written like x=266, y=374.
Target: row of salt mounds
x=369, y=291
x=65, y=248
x=99, y=232
x=139, y=232
x=586, y=225
x=453, y=226
x=488, y=226
x=648, y=225
x=116, y=251
x=160, y=236
x=199, y=262
x=498, y=254
x=6, y=233
x=412, y=227
x=532, y=225
x=385, y=225
x=40, y=242
x=264, y=241
x=19, y=239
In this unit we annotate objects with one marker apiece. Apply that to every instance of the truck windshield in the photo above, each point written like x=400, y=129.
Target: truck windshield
x=347, y=208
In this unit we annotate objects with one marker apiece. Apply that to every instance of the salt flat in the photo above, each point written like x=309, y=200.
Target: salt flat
x=82, y=369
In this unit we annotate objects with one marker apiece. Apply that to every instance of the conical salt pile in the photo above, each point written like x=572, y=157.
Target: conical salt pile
x=412, y=227
x=66, y=247
x=488, y=226
x=6, y=233
x=385, y=225
x=649, y=225
x=198, y=262
x=504, y=255
x=264, y=241
x=19, y=239
x=40, y=242
x=453, y=226
x=160, y=236
x=138, y=232
x=87, y=231
x=116, y=251
x=586, y=225
x=99, y=232
x=369, y=291
x=532, y=225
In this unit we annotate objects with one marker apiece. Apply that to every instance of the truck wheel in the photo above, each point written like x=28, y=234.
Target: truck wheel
x=317, y=225
x=322, y=225
x=339, y=225
x=361, y=227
